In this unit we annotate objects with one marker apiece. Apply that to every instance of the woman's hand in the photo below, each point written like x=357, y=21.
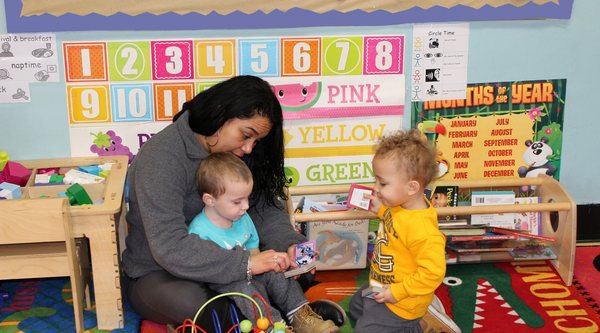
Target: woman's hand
x=269, y=260
x=291, y=252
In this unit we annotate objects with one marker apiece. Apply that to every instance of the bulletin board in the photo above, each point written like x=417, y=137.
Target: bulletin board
x=341, y=94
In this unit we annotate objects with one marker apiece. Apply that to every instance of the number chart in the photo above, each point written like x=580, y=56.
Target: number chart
x=132, y=89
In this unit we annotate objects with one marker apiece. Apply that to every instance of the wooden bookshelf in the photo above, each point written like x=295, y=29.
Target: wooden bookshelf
x=557, y=208
x=99, y=223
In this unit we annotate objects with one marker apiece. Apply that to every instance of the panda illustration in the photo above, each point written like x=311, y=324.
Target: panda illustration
x=536, y=159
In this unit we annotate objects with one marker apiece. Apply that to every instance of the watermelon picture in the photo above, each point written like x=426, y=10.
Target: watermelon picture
x=297, y=97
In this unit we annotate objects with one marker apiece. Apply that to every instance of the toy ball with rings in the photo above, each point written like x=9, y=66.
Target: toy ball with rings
x=245, y=326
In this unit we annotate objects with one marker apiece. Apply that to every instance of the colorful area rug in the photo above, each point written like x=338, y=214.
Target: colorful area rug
x=46, y=306
x=487, y=298
x=502, y=297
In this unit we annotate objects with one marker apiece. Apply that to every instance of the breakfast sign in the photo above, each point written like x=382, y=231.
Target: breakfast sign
x=501, y=130
x=339, y=94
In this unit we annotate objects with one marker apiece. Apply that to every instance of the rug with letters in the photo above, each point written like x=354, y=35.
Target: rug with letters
x=501, y=297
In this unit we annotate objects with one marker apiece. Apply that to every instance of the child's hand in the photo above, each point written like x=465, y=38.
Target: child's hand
x=385, y=296
x=375, y=203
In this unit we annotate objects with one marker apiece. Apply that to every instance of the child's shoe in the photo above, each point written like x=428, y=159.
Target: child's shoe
x=436, y=320
x=305, y=320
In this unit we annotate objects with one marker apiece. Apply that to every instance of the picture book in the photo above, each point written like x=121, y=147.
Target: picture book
x=482, y=198
x=521, y=234
x=483, y=245
x=484, y=256
x=533, y=250
x=372, y=237
x=528, y=221
x=451, y=256
x=341, y=244
x=445, y=196
x=304, y=253
x=300, y=270
x=304, y=256
x=463, y=230
x=452, y=223
x=484, y=237
x=356, y=197
x=309, y=205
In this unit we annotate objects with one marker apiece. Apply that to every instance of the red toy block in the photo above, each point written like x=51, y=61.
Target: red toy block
x=47, y=171
x=15, y=173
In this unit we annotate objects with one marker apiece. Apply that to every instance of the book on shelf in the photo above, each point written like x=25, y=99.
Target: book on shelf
x=483, y=245
x=533, y=250
x=528, y=221
x=452, y=223
x=451, y=256
x=487, y=236
x=444, y=196
x=485, y=256
x=485, y=198
x=341, y=244
x=465, y=230
x=521, y=234
x=311, y=206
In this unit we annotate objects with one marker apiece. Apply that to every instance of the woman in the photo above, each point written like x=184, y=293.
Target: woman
x=166, y=268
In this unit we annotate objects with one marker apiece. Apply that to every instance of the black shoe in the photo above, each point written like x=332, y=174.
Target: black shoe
x=329, y=310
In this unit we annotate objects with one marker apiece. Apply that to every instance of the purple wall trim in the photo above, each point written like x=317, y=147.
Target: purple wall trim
x=277, y=19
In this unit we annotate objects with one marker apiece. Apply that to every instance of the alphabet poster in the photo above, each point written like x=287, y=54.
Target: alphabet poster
x=501, y=130
x=339, y=94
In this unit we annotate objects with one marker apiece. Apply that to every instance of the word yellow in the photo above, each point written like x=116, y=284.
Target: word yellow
x=340, y=133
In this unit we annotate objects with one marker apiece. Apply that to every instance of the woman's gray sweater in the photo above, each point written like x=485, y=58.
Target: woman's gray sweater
x=163, y=200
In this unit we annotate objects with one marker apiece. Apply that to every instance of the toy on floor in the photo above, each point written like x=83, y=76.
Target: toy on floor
x=245, y=326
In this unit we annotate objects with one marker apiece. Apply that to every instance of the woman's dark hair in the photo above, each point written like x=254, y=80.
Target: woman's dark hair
x=244, y=97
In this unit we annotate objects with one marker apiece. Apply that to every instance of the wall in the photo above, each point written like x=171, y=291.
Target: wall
x=499, y=51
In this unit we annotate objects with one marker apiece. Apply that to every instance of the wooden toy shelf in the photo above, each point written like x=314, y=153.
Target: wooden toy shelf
x=558, y=211
x=97, y=222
